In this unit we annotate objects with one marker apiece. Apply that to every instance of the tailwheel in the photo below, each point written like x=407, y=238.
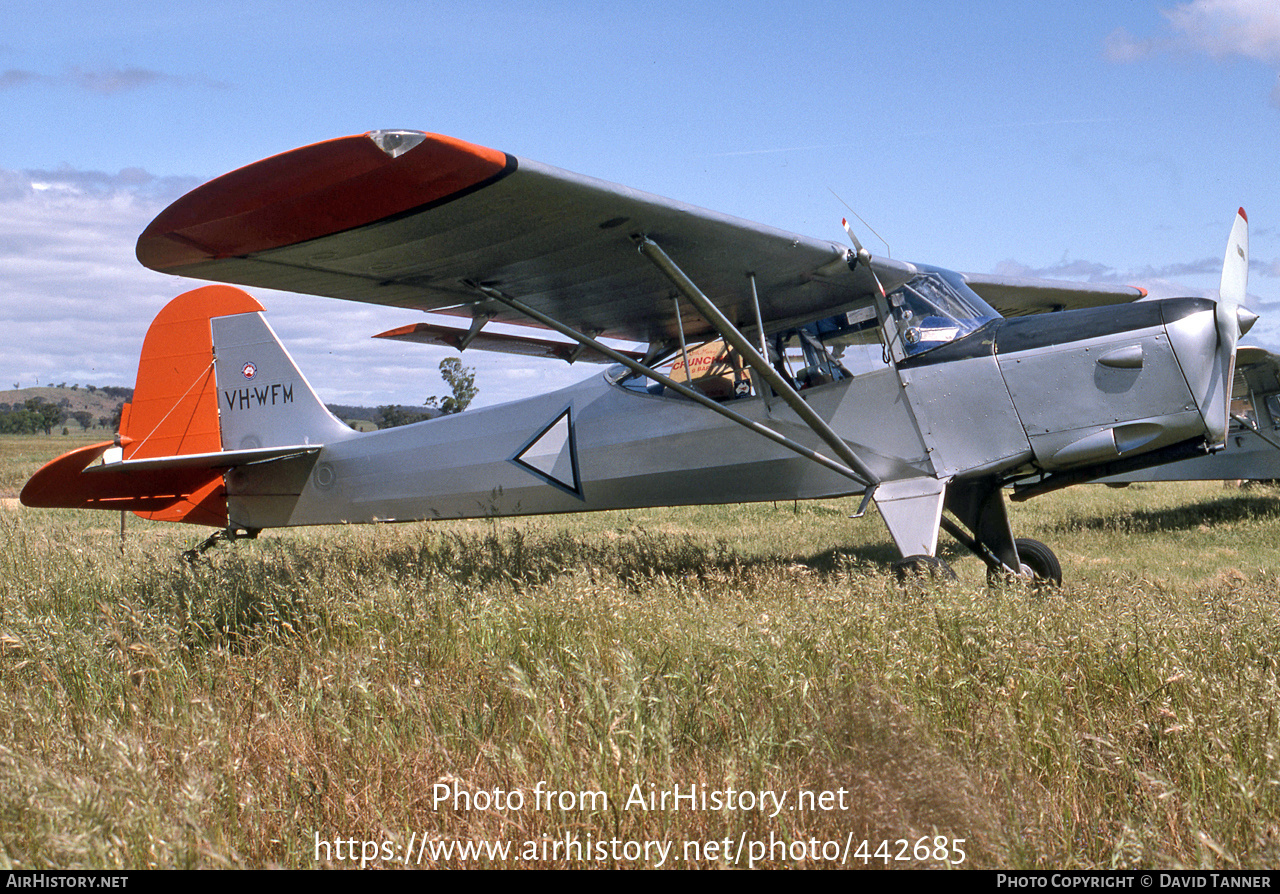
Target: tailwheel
x=922, y=568
x=1037, y=561
x=227, y=535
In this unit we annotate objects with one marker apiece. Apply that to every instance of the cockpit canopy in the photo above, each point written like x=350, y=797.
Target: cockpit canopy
x=934, y=308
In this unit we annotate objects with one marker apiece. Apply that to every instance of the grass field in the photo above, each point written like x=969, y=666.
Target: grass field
x=321, y=695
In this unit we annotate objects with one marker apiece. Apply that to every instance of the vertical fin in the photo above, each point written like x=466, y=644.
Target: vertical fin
x=175, y=403
x=262, y=397
x=174, y=410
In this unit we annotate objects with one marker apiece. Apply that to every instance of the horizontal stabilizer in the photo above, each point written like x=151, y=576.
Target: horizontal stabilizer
x=500, y=342
x=221, y=460
x=194, y=494
x=189, y=484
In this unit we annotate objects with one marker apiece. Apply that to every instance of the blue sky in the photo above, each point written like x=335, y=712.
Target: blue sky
x=1101, y=140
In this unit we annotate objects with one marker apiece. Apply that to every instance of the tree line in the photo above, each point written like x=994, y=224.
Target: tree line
x=462, y=383
x=35, y=415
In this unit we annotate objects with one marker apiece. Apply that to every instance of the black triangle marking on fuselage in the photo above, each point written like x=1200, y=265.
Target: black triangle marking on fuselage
x=552, y=454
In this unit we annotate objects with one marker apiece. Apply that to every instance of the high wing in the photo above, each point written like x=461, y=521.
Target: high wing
x=1016, y=296
x=1261, y=363
x=429, y=222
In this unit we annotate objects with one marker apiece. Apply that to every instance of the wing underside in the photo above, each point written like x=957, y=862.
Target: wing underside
x=499, y=342
x=1016, y=296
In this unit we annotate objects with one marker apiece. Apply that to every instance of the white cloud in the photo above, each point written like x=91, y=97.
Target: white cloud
x=76, y=303
x=1222, y=29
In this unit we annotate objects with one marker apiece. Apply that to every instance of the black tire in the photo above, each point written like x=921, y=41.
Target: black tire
x=1037, y=559
x=922, y=568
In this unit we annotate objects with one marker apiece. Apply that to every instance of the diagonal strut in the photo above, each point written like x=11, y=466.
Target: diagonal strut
x=743, y=346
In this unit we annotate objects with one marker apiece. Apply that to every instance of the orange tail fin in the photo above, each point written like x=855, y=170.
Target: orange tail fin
x=174, y=413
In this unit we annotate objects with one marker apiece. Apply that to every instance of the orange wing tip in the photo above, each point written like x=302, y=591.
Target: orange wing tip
x=316, y=191
x=404, y=332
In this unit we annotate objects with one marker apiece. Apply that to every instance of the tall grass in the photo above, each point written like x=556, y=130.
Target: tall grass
x=324, y=683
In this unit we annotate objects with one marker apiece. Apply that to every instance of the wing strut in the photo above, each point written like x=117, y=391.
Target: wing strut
x=868, y=481
x=477, y=323
x=764, y=390
x=743, y=346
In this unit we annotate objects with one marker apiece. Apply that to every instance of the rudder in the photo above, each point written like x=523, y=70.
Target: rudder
x=215, y=390
x=174, y=410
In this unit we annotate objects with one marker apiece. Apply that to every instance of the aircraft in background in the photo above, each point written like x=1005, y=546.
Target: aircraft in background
x=739, y=394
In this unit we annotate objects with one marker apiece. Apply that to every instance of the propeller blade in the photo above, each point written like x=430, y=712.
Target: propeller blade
x=1231, y=319
x=844, y=222
x=864, y=256
x=1230, y=313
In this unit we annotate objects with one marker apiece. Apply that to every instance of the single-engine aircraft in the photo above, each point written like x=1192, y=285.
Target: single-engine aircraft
x=739, y=395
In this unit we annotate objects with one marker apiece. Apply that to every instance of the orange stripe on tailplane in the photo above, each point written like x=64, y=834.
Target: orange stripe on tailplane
x=193, y=495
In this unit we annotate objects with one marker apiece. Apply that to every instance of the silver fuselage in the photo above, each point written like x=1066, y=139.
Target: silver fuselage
x=1018, y=397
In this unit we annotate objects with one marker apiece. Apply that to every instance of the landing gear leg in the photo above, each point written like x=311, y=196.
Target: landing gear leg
x=979, y=505
x=229, y=535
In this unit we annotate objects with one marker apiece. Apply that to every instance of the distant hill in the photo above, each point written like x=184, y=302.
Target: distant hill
x=104, y=403
x=94, y=398
x=101, y=403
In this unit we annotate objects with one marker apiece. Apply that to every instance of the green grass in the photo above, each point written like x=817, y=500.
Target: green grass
x=325, y=682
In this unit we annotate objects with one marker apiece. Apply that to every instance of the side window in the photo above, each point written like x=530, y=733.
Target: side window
x=804, y=360
x=713, y=369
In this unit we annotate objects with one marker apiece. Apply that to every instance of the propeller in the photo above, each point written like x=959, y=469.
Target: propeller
x=1233, y=319
x=863, y=256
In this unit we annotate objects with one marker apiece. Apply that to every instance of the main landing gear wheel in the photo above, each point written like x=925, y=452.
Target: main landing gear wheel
x=922, y=568
x=1038, y=563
